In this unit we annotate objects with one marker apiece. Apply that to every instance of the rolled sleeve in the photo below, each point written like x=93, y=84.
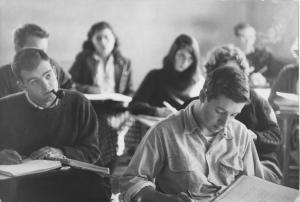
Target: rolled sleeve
x=145, y=165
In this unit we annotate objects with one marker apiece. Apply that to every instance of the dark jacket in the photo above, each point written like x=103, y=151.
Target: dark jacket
x=84, y=69
x=8, y=81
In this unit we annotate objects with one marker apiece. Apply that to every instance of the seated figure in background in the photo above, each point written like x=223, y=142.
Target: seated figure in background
x=101, y=68
x=258, y=115
x=288, y=82
x=200, y=150
x=32, y=36
x=164, y=90
x=265, y=66
x=37, y=123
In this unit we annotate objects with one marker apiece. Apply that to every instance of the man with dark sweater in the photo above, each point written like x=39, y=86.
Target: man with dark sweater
x=28, y=36
x=38, y=123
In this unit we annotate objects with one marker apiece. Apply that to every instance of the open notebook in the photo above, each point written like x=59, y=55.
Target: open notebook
x=250, y=188
x=30, y=166
x=109, y=96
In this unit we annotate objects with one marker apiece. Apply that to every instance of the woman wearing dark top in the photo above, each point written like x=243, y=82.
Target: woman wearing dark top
x=178, y=80
x=101, y=68
x=258, y=115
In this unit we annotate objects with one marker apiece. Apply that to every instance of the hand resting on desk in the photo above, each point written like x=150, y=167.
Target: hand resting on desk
x=9, y=157
x=46, y=152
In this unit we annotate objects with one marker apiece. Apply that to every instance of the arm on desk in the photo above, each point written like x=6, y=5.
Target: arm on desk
x=10, y=157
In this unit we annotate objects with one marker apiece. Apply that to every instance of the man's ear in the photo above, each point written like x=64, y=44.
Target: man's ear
x=202, y=95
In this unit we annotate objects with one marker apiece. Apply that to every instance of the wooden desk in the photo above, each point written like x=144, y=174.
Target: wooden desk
x=285, y=114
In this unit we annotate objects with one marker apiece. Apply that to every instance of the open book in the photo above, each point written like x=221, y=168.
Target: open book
x=28, y=167
x=109, y=96
x=250, y=188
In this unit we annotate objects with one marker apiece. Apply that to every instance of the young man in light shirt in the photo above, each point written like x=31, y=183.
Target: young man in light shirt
x=195, y=153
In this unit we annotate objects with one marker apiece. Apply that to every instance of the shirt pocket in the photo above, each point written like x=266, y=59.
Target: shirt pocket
x=180, y=171
x=230, y=168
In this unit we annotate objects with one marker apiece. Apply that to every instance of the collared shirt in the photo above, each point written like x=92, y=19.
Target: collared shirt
x=105, y=74
x=55, y=102
x=174, y=157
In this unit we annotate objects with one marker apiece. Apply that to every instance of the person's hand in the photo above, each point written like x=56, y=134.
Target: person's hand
x=163, y=112
x=94, y=89
x=47, y=152
x=170, y=107
x=257, y=79
x=9, y=157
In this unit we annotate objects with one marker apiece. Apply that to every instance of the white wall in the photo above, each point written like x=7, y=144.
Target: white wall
x=146, y=28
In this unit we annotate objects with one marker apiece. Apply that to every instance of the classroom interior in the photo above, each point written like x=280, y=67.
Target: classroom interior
x=146, y=30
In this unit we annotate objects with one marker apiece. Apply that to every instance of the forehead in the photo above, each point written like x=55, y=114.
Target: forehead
x=226, y=103
x=36, y=42
x=37, y=72
x=184, y=51
x=247, y=31
x=104, y=32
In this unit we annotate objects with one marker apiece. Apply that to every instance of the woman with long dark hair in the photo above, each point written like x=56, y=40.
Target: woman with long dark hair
x=178, y=80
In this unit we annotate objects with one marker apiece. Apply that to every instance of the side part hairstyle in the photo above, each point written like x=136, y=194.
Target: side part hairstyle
x=88, y=44
x=27, y=59
x=182, y=80
x=222, y=54
x=227, y=81
x=21, y=33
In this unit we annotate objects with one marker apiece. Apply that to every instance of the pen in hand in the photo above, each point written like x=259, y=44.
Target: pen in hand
x=170, y=107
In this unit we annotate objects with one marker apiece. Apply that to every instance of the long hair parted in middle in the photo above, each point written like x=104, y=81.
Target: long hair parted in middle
x=182, y=80
x=88, y=44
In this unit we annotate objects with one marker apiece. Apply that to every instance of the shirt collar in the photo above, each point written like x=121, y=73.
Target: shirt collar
x=191, y=123
x=38, y=106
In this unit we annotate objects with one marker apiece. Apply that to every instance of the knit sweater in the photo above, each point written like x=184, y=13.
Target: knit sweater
x=71, y=126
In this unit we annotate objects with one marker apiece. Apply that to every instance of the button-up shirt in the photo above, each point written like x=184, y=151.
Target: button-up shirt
x=105, y=75
x=174, y=156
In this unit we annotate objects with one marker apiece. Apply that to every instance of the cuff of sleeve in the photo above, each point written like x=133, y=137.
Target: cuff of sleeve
x=132, y=191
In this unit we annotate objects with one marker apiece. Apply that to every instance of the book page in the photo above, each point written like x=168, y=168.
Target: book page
x=109, y=96
x=250, y=188
x=29, y=166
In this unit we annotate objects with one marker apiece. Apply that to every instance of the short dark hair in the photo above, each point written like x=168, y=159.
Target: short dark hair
x=229, y=82
x=27, y=60
x=224, y=53
x=241, y=26
x=21, y=33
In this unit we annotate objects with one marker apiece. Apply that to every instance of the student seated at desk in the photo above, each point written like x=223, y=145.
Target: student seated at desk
x=101, y=68
x=198, y=151
x=258, y=115
x=266, y=66
x=179, y=79
x=164, y=90
x=288, y=82
x=30, y=35
x=37, y=123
